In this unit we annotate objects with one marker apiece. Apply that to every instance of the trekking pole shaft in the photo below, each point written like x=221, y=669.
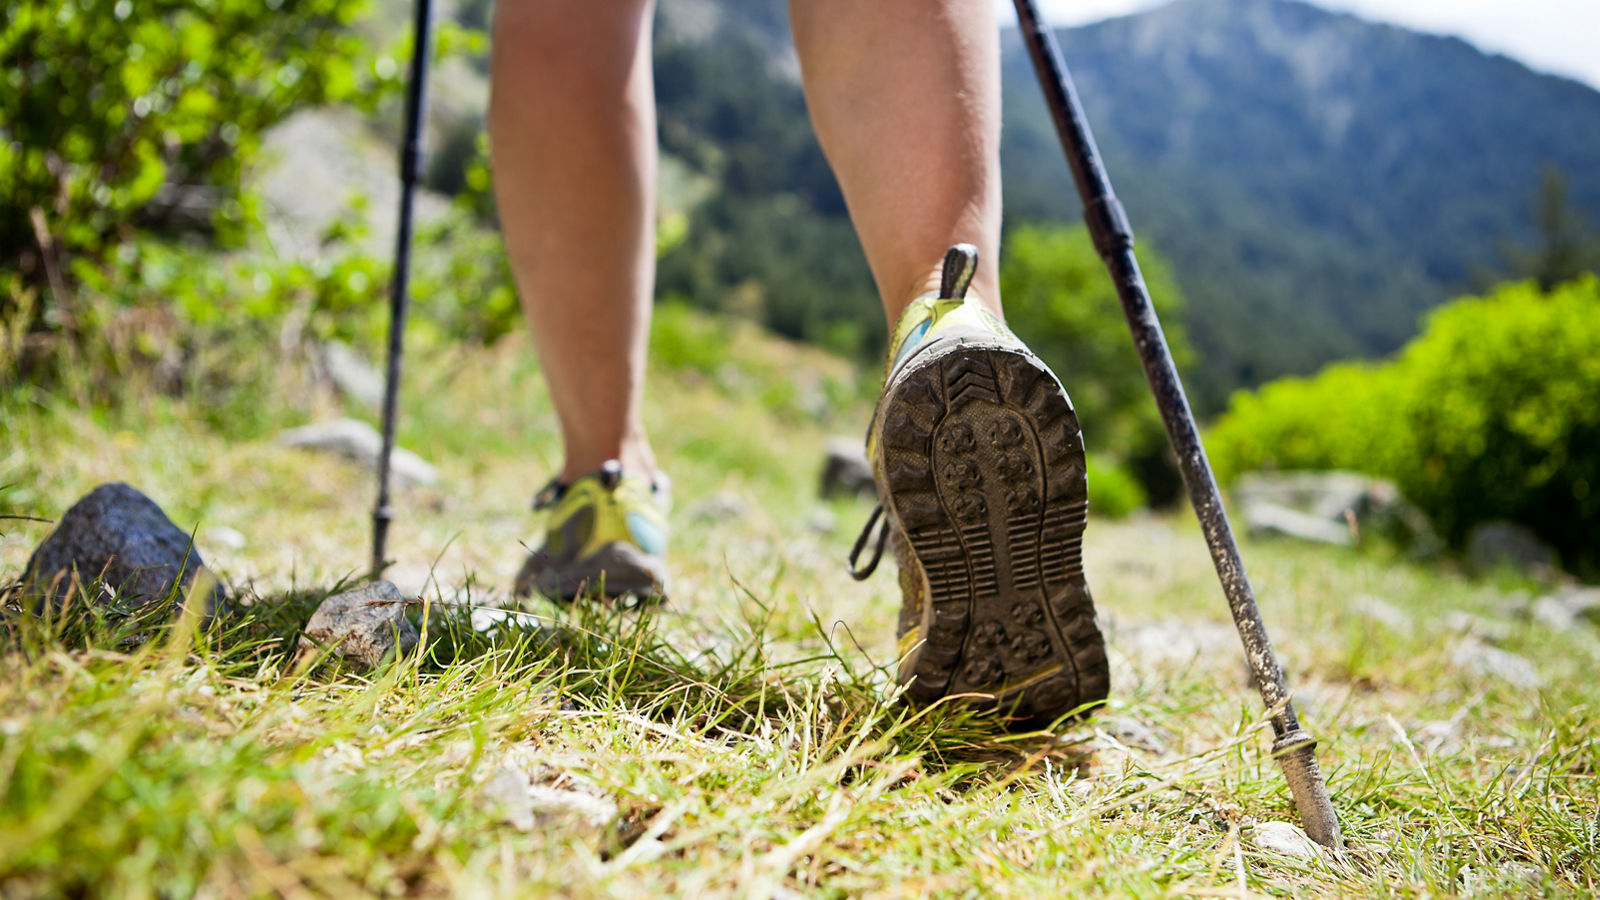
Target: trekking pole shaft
x=1113, y=239
x=410, y=174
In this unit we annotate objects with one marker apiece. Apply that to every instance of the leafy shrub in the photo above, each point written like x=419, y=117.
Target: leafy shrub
x=118, y=117
x=1490, y=414
x=1113, y=491
x=1059, y=298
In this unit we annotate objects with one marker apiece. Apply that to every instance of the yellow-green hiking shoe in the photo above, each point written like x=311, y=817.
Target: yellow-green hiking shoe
x=605, y=536
x=980, y=470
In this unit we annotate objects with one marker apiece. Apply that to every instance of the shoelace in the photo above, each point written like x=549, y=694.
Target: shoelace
x=882, y=521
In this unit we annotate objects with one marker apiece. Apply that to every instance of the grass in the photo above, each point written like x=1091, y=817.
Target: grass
x=745, y=740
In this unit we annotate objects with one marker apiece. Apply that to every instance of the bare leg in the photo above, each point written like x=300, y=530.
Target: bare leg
x=905, y=96
x=573, y=134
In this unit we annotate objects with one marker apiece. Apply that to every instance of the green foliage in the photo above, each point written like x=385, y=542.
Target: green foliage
x=119, y=114
x=1060, y=300
x=1113, y=491
x=1489, y=414
x=119, y=121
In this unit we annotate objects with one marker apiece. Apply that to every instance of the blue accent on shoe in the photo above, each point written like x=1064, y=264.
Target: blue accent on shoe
x=647, y=534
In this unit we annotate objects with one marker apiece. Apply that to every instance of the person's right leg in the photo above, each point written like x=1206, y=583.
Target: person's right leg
x=975, y=446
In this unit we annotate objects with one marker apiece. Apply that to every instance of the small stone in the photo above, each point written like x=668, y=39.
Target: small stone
x=719, y=507
x=1554, y=613
x=1491, y=545
x=225, y=537
x=1478, y=657
x=120, y=537
x=1133, y=733
x=1581, y=605
x=822, y=521
x=352, y=375
x=361, y=443
x=362, y=627
x=1263, y=518
x=1285, y=839
x=1489, y=630
x=508, y=791
x=1381, y=611
x=845, y=469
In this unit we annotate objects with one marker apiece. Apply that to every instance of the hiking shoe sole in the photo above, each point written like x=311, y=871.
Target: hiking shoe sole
x=983, y=469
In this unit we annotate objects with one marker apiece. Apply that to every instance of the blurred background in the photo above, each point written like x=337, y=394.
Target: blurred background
x=1374, y=247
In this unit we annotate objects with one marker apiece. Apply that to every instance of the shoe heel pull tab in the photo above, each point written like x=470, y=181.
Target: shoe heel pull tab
x=960, y=264
x=610, y=474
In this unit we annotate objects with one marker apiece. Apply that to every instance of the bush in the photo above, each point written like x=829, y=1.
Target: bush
x=1060, y=300
x=1113, y=491
x=119, y=117
x=1491, y=413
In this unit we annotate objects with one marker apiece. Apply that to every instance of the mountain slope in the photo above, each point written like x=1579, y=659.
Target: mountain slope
x=1316, y=180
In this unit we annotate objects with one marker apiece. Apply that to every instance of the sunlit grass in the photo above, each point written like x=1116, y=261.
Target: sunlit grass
x=746, y=738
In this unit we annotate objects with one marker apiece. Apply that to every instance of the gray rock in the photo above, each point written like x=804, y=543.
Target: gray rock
x=360, y=443
x=225, y=537
x=1491, y=545
x=118, y=535
x=566, y=801
x=362, y=626
x=719, y=507
x=1568, y=608
x=1177, y=640
x=1262, y=518
x=1335, y=498
x=1488, y=630
x=1478, y=657
x=352, y=375
x=845, y=469
x=1284, y=839
x=1131, y=732
x=1379, y=610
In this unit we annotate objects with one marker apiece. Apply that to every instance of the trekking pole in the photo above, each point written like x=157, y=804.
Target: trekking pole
x=410, y=173
x=1293, y=746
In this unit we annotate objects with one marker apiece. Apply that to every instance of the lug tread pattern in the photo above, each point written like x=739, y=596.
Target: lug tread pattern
x=984, y=467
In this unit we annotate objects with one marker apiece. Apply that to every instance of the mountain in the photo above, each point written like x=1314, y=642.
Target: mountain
x=1315, y=180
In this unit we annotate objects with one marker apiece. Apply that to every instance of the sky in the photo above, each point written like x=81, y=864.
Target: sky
x=1561, y=37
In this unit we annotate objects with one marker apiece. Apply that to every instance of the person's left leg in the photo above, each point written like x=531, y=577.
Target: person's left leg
x=974, y=444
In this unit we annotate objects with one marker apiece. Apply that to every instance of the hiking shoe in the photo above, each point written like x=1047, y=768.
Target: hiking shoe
x=980, y=471
x=605, y=536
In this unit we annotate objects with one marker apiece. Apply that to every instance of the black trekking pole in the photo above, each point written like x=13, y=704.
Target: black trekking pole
x=410, y=173
x=1293, y=747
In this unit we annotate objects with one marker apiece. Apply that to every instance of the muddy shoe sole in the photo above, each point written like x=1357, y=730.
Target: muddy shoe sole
x=983, y=467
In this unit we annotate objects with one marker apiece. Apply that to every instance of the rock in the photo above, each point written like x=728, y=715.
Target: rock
x=1263, y=518
x=1376, y=505
x=1176, y=640
x=1568, y=608
x=362, y=626
x=845, y=469
x=1285, y=839
x=352, y=375
x=1131, y=732
x=117, y=534
x=566, y=800
x=1382, y=611
x=822, y=521
x=1488, y=630
x=225, y=537
x=361, y=443
x=1552, y=612
x=1491, y=545
x=719, y=507
x=1478, y=657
